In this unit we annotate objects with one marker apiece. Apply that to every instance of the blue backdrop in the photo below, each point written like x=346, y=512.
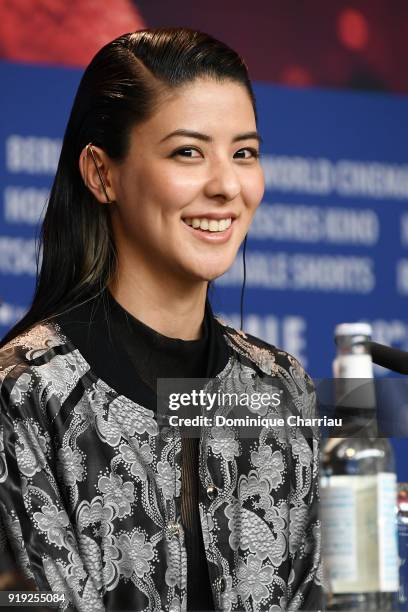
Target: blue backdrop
x=329, y=242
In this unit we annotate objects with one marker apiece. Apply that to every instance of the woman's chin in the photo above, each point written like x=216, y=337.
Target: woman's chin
x=206, y=268
x=210, y=273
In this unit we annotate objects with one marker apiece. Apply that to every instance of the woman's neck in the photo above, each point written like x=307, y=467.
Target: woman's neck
x=174, y=311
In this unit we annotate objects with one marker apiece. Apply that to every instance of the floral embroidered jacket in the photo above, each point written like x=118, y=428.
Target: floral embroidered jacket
x=90, y=485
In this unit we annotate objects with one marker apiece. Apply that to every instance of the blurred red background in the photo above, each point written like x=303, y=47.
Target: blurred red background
x=362, y=44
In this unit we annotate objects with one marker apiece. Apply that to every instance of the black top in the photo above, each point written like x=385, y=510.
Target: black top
x=140, y=355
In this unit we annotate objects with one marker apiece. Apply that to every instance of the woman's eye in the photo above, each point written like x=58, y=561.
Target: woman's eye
x=189, y=153
x=254, y=153
x=182, y=152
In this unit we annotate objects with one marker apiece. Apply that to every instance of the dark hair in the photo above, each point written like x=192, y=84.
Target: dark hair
x=121, y=87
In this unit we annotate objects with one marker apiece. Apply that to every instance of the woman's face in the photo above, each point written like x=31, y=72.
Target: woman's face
x=168, y=181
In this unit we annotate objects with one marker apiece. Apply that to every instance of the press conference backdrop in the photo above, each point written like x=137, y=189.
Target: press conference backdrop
x=328, y=244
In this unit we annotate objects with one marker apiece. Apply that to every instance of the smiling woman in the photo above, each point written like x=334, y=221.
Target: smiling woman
x=207, y=171
x=157, y=184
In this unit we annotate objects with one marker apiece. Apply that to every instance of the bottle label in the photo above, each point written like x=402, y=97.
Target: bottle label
x=353, y=366
x=360, y=532
x=403, y=554
x=388, y=532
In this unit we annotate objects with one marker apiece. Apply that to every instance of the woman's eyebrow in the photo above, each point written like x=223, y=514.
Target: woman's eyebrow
x=206, y=138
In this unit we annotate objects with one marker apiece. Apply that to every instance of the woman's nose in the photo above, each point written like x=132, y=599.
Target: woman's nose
x=223, y=181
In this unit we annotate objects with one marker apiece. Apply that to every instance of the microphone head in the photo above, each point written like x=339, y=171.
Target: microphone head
x=388, y=357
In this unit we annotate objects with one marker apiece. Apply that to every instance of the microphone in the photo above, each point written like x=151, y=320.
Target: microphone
x=388, y=357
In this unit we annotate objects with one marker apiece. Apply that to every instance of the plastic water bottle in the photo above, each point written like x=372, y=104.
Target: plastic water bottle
x=403, y=544
x=358, y=487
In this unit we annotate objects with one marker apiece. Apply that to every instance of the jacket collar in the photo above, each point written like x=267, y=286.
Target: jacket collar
x=90, y=328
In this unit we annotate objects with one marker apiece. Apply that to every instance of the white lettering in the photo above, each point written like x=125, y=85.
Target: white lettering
x=17, y=256
x=303, y=272
x=402, y=276
x=32, y=154
x=10, y=313
x=313, y=224
x=348, y=178
x=24, y=205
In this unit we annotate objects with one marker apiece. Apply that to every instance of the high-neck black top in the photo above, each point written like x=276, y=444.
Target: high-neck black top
x=138, y=356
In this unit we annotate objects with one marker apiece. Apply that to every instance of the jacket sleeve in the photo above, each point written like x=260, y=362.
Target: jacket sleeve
x=305, y=584
x=39, y=543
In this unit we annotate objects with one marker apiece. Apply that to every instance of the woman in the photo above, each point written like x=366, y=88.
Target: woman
x=157, y=184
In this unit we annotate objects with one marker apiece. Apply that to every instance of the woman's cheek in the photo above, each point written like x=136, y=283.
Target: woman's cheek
x=260, y=181
x=185, y=178
x=253, y=198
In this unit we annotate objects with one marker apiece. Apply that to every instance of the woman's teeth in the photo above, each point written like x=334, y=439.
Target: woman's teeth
x=210, y=225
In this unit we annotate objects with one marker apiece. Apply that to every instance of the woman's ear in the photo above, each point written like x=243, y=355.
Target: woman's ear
x=95, y=169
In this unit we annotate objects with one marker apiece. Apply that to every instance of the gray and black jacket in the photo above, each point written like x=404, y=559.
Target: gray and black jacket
x=90, y=483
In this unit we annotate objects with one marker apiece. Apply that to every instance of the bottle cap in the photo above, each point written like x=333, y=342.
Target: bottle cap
x=353, y=329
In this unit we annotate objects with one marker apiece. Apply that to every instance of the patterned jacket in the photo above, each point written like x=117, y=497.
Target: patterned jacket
x=90, y=485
